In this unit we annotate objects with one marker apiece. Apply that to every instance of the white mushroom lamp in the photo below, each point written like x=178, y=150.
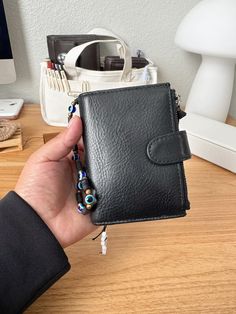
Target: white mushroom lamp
x=209, y=29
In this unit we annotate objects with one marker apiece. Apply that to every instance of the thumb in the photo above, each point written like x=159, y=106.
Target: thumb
x=60, y=146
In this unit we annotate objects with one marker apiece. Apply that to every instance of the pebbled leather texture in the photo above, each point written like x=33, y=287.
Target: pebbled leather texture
x=119, y=125
x=169, y=149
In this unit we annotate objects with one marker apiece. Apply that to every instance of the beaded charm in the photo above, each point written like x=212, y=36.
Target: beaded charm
x=85, y=195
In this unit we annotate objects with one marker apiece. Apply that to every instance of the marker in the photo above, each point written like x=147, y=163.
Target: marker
x=48, y=63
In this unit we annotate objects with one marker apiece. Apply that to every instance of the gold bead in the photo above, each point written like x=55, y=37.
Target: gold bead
x=88, y=207
x=88, y=191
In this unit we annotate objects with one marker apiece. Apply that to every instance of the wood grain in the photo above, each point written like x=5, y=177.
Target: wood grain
x=185, y=265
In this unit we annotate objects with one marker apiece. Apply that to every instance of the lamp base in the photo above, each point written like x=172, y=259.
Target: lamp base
x=211, y=92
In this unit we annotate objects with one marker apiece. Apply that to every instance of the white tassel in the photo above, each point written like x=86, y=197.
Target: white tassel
x=104, y=242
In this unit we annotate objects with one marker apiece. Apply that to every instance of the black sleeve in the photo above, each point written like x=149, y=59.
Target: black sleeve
x=31, y=259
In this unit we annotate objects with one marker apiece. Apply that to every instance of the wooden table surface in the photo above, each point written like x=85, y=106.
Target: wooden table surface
x=184, y=265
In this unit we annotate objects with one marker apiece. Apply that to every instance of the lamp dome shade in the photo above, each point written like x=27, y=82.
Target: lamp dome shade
x=209, y=29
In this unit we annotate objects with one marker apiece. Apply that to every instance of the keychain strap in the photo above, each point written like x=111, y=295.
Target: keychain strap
x=85, y=195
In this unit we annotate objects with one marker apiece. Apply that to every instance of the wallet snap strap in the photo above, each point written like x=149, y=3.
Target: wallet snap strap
x=169, y=149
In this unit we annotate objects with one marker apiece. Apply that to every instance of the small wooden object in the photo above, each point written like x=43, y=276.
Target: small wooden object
x=14, y=143
x=48, y=136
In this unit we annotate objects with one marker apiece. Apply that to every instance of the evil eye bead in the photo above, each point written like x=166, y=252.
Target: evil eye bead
x=75, y=157
x=80, y=186
x=81, y=209
x=90, y=199
x=71, y=109
x=82, y=174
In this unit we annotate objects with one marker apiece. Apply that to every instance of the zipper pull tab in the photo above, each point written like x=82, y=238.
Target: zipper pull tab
x=180, y=112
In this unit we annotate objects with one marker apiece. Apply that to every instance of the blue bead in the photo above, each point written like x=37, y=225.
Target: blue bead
x=82, y=174
x=90, y=199
x=80, y=186
x=71, y=109
x=75, y=157
x=81, y=208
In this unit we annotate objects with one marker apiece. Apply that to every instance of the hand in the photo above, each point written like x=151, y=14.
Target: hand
x=47, y=184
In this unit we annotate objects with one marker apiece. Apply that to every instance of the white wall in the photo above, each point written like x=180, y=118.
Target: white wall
x=146, y=24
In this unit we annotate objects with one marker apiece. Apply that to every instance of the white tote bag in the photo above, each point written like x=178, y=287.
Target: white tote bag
x=58, y=89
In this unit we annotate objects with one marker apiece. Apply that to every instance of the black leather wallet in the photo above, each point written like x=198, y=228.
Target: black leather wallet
x=134, y=153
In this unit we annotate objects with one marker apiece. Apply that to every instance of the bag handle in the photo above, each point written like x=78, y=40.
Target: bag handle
x=74, y=53
x=105, y=32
